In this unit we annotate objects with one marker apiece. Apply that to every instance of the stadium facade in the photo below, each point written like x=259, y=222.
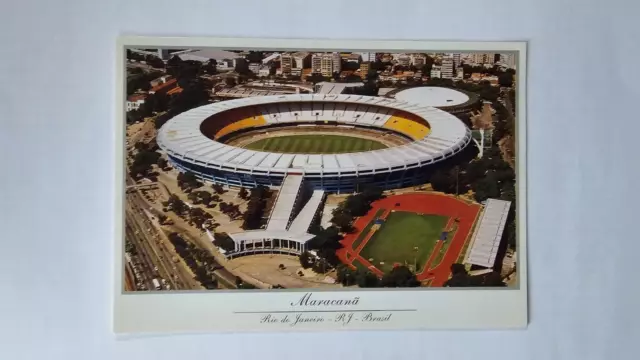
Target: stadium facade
x=195, y=141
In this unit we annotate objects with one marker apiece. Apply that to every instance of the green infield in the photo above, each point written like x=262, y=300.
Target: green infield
x=315, y=144
x=405, y=237
x=363, y=234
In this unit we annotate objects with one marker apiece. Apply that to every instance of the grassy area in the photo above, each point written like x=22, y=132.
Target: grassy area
x=360, y=266
x=398, y=237
x=365, y=231
x=315, y=144
x=444, y=248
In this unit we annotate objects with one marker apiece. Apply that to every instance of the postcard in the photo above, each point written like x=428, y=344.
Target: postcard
x=299, y=184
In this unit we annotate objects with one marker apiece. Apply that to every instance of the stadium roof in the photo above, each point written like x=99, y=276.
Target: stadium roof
x=336, y=88
x=303, y=221
x=283, y=208
x=181, y=138
x=205, y=55
x=259, y=235
x=489, y=233
x=432, y=96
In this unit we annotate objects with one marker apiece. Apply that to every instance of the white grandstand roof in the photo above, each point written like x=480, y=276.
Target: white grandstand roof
x=432, y=96
x=181, y=136
x=489, y=233
x=259, y=235
x=283, y=208
x=207, y=54
x=335, y=88
x=302, y=222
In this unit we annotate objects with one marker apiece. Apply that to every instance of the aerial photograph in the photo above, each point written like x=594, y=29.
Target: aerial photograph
x=250, y=169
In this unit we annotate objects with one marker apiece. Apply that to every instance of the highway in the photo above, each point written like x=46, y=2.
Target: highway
x=157, y=247
x=161, y=249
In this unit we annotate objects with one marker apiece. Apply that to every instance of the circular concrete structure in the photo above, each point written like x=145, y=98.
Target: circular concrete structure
x=450, y=100
x=433, y=96
x=195, y=141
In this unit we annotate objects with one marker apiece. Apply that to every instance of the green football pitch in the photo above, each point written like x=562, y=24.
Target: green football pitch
x=404, y=237
x=315, y=144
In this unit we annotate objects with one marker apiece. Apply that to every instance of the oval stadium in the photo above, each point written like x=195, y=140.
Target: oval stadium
x=335, y=142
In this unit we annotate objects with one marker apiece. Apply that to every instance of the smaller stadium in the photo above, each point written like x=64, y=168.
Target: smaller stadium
x=427, y=232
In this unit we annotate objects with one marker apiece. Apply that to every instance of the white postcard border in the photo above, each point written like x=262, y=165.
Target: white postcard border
x=277, y=310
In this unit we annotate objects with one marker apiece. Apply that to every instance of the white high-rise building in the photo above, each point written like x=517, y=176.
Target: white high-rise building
x=456, y=60
x=418, y=60
x=286, y=63
x=326, y=63
x=508, y=60
x=316, y=63
x=447, y=68
x=436, y=71
x=483, y=58
x=403, y=59
x=336, y=62
x=368, y=56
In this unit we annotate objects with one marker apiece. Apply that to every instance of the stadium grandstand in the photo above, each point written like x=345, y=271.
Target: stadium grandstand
x=260, y=89
x=486, y=240
x=333, y=88
x=197, y=141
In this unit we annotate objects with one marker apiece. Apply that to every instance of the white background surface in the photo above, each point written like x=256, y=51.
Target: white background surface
x=57, y=109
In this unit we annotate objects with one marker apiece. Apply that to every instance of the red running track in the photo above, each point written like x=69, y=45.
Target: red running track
x=429, y=203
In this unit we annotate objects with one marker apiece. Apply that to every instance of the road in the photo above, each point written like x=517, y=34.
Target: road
x=165, y=249
x=155, y=244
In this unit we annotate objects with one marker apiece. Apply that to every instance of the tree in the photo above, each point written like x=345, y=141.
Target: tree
x=224, y=241
x=176, y=205
x=188, y=181
x=505, y=80
x=486, y=188
x=315, y=78
x=173, y=65
x=205, y=198
x=489, y=93
x=211, y=67
x=321, y=266
x=218, y=189
x=255, y=56
x=194, y=94
x=243, y=193
x=193, y=197
x=442, y=181
x=242, y=66
x=306, y=260
x=399, y=276
x=459, y=277
x=345, y=275
x=343, y=220
x=162, y=163
x=367, y=279
x=326, y=242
